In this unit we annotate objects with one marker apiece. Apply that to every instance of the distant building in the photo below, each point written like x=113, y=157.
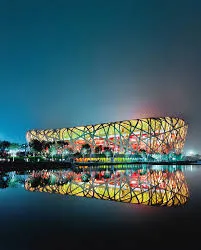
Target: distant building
x=153, y=135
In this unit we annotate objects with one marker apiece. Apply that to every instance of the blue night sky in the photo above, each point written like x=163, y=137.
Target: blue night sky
x=68, y=63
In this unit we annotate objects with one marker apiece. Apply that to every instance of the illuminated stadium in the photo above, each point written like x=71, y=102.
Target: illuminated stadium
x=153, y=135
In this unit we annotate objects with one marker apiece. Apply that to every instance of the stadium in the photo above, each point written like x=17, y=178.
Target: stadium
x=151, y=135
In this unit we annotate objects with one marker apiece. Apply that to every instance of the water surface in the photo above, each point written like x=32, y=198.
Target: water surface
x=47, y=220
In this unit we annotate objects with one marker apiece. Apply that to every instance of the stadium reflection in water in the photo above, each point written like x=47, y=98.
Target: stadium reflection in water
x=148, y=185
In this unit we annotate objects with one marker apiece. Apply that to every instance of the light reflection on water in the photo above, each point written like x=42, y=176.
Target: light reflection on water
x=42, y=220
x=141, y=185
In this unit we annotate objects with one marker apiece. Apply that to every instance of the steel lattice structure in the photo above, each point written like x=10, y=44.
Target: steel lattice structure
x=162, y=188
x=154, y=135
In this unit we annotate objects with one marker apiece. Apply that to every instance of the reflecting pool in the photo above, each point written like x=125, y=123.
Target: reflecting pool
x=109, y=207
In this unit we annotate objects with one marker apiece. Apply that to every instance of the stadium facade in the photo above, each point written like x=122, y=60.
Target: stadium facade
x=153, y=135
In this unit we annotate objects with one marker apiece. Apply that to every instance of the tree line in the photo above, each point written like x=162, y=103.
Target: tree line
x=62, y=149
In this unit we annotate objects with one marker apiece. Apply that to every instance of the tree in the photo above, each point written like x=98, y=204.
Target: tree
x=61, y=145
x=24, y=147
x=52, y=149
x=4, y=145
x=143, y=154
x=36, y=146
x=14, y=149
x=66, y=152
x=85, y=150
x=77, y=155
x=108, y=152
x=14, y=146
x=98, y=149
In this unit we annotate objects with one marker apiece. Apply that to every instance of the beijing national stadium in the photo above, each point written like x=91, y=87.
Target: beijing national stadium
x=153, y=135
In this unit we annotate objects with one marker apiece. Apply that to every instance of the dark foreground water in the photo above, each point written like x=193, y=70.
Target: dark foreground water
x=46, y=220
